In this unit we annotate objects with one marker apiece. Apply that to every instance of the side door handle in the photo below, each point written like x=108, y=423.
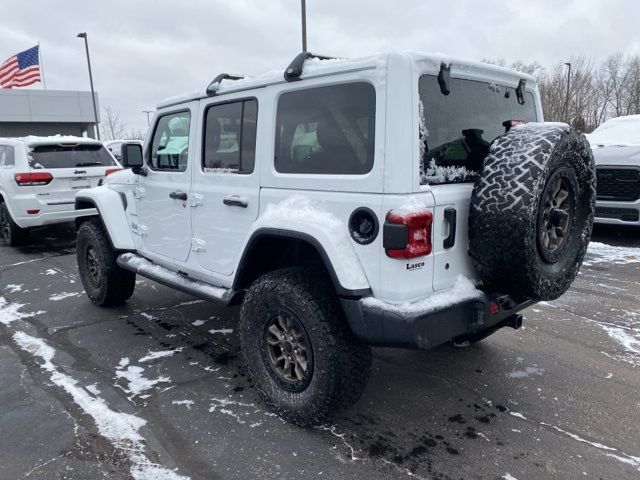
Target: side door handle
x=451, y=216
x=178, y=195
x=234, y=201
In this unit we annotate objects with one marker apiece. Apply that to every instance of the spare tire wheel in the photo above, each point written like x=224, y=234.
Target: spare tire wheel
x=532, y=211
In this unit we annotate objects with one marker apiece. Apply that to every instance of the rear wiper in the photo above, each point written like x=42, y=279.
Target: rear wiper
x=88, y=164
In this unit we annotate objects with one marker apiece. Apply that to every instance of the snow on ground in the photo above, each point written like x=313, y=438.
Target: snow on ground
x=187, y=403
x=527, y=372
x=462, y=290
x=197, y=323
x=10, y=312
x=61, y=296
x=223, y=331
x=50, y=271
x=121, y=429
x=13, y=288
x=137, y=382
x=159, y=354
x=603, y=253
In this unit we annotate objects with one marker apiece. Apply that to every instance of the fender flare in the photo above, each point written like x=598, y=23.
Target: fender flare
x=111, y=206
x=264, y=232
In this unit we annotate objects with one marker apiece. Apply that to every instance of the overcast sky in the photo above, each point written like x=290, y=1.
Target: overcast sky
x=143, y=50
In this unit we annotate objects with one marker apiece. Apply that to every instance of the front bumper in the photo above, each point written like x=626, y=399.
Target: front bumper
x=617, y=213
x=387, y=328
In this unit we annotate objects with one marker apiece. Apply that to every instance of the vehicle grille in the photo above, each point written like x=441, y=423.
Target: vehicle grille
x=621, y=184
x=624, y=214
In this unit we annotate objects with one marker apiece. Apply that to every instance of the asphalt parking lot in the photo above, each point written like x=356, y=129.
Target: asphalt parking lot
x=155, y=389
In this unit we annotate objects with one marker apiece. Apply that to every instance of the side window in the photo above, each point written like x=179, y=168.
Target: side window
x=9, y=156
x=326, y=130
x=170, y=145
x=1, y=155
x=230, y=137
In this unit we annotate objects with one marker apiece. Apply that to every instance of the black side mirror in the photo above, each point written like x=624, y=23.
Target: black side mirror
x=131, y=156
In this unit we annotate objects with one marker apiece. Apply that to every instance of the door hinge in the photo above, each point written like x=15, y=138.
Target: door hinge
x=138, y=193
x=138, y=229
x=198, y=245
x=197, y=199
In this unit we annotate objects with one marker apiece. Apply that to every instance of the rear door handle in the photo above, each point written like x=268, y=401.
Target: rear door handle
x=451, y=216
x=233, y=201
x=178, y=195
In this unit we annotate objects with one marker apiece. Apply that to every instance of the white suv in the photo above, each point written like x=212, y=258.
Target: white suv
x=398, y=200
x=39, y=177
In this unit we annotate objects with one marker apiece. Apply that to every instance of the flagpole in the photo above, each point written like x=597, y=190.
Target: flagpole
x=44, y=82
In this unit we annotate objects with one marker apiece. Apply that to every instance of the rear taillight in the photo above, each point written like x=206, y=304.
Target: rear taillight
x=408, y=235
x=109, y=171
x=33, y=178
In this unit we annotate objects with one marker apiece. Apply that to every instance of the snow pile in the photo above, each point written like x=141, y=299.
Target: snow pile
x=619, y=132
x=147, y=268
x=298, y=209
x=121, y=429
x=10, y=312
x=602, y=253
x=435, y=174
x=137, y=382
x=462, y=291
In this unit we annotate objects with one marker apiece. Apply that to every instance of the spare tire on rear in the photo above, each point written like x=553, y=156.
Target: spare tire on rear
x=532, y=211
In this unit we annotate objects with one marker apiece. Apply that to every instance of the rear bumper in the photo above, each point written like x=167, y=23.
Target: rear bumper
x=49, y=218
x=388, y=328
x=617, y=213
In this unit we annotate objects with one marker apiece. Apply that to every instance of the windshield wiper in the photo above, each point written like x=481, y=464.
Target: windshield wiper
x=88, y=164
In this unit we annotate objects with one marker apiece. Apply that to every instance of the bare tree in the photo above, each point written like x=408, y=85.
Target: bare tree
x=112, y=128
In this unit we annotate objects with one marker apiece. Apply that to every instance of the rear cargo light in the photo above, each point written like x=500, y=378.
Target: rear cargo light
x=408, y=235
x=109, y=171
x=33, y=178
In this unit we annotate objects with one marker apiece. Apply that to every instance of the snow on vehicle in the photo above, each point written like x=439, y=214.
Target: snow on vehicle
x=396, y=200
x=616, y=149
x=39, y=177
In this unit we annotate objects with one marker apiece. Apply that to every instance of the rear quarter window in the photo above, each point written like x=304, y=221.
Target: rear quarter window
x=62, y=156
x=326, y=130
x=456, y=130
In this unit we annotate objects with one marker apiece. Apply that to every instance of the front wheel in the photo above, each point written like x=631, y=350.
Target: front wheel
x=9, y=230
x=105, y=283
x=304, y=360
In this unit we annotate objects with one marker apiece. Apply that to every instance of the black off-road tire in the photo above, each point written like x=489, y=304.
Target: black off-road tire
x=512, y=218
x=105, y=283
x=9, y=230
x=340, y=365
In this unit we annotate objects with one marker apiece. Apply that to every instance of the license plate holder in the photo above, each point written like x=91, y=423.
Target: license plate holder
x=80, y=183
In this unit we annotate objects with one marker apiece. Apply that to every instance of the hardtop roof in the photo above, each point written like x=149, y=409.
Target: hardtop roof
x=314, y=67
x=34, y=141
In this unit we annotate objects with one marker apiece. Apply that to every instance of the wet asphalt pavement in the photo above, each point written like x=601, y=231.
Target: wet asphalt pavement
x=559, y=398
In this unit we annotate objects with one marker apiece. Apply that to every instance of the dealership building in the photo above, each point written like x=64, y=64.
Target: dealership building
x=47, y=112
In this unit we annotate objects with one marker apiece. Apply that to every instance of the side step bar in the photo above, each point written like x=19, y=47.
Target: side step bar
x=140, y=265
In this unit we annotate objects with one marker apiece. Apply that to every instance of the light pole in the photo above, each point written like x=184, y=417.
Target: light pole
x=148, y=118
x=566, y=103
x=304, y=25
x=93, y=95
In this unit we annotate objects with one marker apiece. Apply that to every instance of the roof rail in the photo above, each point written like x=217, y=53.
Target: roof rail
x=215, y=83
x=294, y=70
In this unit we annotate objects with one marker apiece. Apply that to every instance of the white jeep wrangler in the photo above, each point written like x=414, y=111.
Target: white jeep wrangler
x=402, y=200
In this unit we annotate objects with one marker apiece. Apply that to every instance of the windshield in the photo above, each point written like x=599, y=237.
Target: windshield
x=456, y=130
x=60, y=156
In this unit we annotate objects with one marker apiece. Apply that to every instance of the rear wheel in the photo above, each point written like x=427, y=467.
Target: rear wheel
x=105, y=283
x=304, y=360
x=9, y=230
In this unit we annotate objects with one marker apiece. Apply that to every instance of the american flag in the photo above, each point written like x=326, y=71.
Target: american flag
x=21, y=70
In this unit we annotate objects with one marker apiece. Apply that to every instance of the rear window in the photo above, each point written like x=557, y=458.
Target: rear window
x=456, y=130
x=59, y=156
x=326, y=130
